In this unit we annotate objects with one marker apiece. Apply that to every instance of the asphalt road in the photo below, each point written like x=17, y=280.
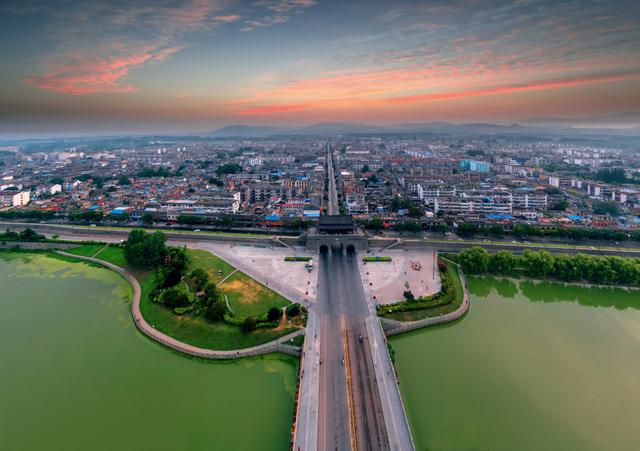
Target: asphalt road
x=333, y=192
x=342, y=305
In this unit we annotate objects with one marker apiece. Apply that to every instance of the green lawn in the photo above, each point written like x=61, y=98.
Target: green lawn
x=197, y=330
x=113, y=254
x=86, y=250
x=210, y=263
x=247, y=297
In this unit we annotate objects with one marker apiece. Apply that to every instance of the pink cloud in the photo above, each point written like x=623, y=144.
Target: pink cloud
x=567, y=82
x=362, y=99
x=270, y=109
x=83, y=75
x=227, y=19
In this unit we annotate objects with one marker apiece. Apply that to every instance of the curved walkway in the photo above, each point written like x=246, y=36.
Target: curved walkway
x=278, y=345
x=394, y=327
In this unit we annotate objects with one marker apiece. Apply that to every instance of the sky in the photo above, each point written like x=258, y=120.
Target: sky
x=173, y=66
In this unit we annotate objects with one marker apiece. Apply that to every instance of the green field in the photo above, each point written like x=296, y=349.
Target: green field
x=197, y=330
x=113, y=254
x=211, y=263
x=248, y=297
x=86, y=250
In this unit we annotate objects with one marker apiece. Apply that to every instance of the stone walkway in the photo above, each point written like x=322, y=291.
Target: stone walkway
x=273, y=346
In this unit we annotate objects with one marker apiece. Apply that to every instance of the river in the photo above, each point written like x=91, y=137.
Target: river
x=533, y=366
x=76, y=374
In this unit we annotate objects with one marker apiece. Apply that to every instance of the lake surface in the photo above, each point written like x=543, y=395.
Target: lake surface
x=533, y=366
x=76, y=374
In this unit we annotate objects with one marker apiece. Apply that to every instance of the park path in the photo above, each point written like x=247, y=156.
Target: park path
x=279, y=345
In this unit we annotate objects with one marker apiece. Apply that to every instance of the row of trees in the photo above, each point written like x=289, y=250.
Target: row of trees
x=542, y=264
x=25, y=235
x=528, y=231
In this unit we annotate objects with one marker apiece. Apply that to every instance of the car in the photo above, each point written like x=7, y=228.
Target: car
x=197, y=230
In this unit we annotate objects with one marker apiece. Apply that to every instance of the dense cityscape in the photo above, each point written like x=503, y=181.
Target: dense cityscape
x=387, y=183
x=319, y=225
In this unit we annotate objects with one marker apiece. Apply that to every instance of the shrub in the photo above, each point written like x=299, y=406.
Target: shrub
x=293, y=310
x=215, y=311
x=273, y=314
x=248, y=324
x=182, y=310
x=408, y=295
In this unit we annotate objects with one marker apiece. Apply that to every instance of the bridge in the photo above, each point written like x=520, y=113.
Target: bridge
x=349, y=397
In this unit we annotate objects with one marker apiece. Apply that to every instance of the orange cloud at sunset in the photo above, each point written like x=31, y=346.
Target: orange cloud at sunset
x=86, y=76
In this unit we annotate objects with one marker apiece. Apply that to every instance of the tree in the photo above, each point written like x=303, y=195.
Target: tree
x=211, y=292
x=229, y=168
x=502, y=262
x=293, y=310
x=465, y=229
x=273, y=314
x=248, y=324
x=145, y=251
x=415, y=211
x=375, y=224
x=474, y=260
x=216, y=181
x=56, y=180
x=606, y=208
x=147, y=218
x=215, y=311
x=365, y=168
x=614, y=175
x=200, y=278
x=408, y=295
x=172, y=277
x=123, y=180
x=561, y=205
x=496, y=230
x=173, y=297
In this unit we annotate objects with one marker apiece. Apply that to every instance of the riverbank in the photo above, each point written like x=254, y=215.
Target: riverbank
x=278, y=345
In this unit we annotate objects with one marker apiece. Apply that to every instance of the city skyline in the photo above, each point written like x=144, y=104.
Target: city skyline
x=193, y=66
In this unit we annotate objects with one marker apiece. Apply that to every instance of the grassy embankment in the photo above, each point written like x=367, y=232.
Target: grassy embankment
x=245, y=294
x=443, y=302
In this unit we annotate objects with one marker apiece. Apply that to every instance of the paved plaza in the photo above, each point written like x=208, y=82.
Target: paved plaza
x=386, y=280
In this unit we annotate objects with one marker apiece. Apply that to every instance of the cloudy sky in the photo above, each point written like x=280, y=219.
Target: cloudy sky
x=172, y=66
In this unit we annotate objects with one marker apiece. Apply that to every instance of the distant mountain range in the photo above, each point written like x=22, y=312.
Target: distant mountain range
x=534, y=127
x=628, y=120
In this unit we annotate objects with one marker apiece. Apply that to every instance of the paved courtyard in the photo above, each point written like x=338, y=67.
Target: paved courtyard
x=267, y=265
x=386, y=280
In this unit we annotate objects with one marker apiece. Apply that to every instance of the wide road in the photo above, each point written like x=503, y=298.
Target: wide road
x=346, y=417
x=333, y=209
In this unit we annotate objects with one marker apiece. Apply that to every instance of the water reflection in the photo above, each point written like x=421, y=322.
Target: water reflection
x=549, y=292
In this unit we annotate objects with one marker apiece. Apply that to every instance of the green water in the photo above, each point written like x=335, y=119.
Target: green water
x=531, y=367
x=75, y=373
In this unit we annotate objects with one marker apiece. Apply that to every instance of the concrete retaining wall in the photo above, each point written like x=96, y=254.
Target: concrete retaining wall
x=35, y=245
